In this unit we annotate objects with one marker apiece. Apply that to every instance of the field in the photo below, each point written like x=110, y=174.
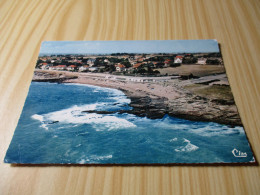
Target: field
x=196, y=70
x=211, y=91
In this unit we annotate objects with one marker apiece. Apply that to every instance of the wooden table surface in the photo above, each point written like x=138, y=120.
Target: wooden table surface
x=25, y=24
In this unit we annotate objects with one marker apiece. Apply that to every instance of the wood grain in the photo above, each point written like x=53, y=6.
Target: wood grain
x=25, y=24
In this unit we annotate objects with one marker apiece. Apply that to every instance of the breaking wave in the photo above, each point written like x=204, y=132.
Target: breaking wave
x=215, y=129
x=77, y=115
x=187, y=148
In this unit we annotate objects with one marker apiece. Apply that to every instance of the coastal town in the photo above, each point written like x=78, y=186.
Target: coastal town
x=190, y=86
x=125, y=64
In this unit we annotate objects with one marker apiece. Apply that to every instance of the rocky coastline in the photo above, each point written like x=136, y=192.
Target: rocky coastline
x=191, y=107
x=186, y=105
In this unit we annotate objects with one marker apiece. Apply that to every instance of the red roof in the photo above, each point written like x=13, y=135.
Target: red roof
x=179, y=57
x=72, y=66
x=44, y=63
x=137, y=65
x=63, y=66
x=120, y=66
x=167, y=61
x=140, y=59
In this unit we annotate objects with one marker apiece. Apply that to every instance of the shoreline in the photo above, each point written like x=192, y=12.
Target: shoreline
x=155, y=99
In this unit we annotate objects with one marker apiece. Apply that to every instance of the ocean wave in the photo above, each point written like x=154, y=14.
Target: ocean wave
x=78, y=114
x=75, y=115
x=173, y=140
x=41, y=119
x=37, y=117
x=187, y=148
x=97, y=88
x=214, y=129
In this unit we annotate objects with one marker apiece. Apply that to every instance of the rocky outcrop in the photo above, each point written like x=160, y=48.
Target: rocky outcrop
x=188, y=107
x=205, y=110
x=51, y=77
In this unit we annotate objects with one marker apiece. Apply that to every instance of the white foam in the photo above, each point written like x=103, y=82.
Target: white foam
x=75, y=115
x=102, y=157
x=41, y=119
x=214, y=129
x=114, y=93
x=83, y=161
x=173, y=140
x=37, y=117
x=97, y=88
x=44, y=126
x=187, y=148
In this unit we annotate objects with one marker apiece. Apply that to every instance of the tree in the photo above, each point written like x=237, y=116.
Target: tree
x=141, y=71
x=212, y=62
x=156, y=72
x=126, y=64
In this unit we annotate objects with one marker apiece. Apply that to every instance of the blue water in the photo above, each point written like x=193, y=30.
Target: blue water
x=54, y=129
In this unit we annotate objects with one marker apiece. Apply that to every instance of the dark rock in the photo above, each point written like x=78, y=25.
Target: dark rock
x=99, y=111
x=49, y=123
x=223, y=102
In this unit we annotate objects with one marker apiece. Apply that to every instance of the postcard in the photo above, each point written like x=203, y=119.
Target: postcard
x=130, y=103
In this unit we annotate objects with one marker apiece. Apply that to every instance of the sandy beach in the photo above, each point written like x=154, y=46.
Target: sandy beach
x=153, y=97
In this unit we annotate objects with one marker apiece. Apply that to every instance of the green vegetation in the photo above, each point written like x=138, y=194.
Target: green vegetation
x=211, y=91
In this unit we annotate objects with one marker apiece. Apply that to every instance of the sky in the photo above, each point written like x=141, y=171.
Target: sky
x=107, y=47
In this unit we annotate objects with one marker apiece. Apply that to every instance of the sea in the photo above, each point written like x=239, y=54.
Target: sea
x=59, y=125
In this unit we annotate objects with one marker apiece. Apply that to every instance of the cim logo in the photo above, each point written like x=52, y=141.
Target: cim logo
x=238, y=153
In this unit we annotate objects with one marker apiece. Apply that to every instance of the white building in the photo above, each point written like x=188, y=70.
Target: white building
x=83, y=68
x=178, y=60
x=71, y=67
x=93, y=69
x=91, y=62
x=120, y=67
x=201, y=61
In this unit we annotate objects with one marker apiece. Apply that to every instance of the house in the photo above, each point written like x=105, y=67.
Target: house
x=61, y=67
x=132, y=62
x=93, y=69
x=167, y=62
x=83, y=68
x=120, y=68
x=137, y=56
x=140, y=59
x=53, y=67
x=91, y=62
x=138, y=65
x=178, y=60
x=71, y=67
x=202, y=60
x=45, y=67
